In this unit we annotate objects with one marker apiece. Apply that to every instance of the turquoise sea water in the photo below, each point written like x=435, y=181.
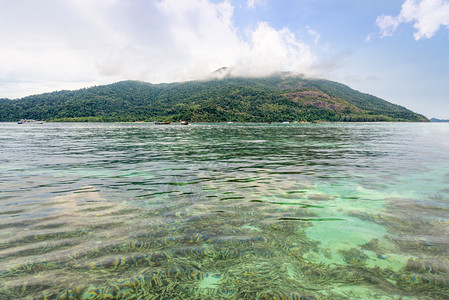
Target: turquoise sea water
x=224, y=211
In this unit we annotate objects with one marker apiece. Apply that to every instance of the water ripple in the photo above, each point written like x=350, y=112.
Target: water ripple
x=236, y=211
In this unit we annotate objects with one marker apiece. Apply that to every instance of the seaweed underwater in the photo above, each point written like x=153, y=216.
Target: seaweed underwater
x=246, y=252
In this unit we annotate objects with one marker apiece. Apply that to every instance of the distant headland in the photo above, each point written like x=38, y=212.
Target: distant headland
x=439, y=120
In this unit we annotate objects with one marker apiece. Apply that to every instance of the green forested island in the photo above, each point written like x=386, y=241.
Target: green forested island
x=270, y=99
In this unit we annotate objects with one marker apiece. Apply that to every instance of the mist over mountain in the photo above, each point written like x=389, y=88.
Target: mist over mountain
x=270, y=99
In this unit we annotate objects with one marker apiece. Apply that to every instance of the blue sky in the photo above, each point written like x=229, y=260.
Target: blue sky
x=397, y=49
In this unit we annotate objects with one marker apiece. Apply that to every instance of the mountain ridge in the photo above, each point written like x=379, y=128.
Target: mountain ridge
x=236, y=99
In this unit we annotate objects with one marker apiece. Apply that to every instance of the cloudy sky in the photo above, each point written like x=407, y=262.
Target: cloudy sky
x=394, y=49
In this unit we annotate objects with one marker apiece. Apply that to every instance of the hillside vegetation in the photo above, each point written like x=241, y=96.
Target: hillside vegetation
x=270, y=99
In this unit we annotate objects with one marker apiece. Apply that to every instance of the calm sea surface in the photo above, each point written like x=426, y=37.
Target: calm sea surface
x=224, y=211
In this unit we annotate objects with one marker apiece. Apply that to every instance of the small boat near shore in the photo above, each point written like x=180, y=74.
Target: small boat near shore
x=161, y=123
x=184, y=122
x=30, y=121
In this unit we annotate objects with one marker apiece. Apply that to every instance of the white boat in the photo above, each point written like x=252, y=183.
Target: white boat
x=30, y=121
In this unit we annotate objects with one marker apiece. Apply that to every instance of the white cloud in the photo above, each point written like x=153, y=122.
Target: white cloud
x=252, y=3
x=427, y=17
x=271, y=50
x=314, y=34
x=51, y=44
x=368, y=38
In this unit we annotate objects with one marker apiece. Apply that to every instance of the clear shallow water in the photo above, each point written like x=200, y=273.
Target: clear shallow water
x=231, y=211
